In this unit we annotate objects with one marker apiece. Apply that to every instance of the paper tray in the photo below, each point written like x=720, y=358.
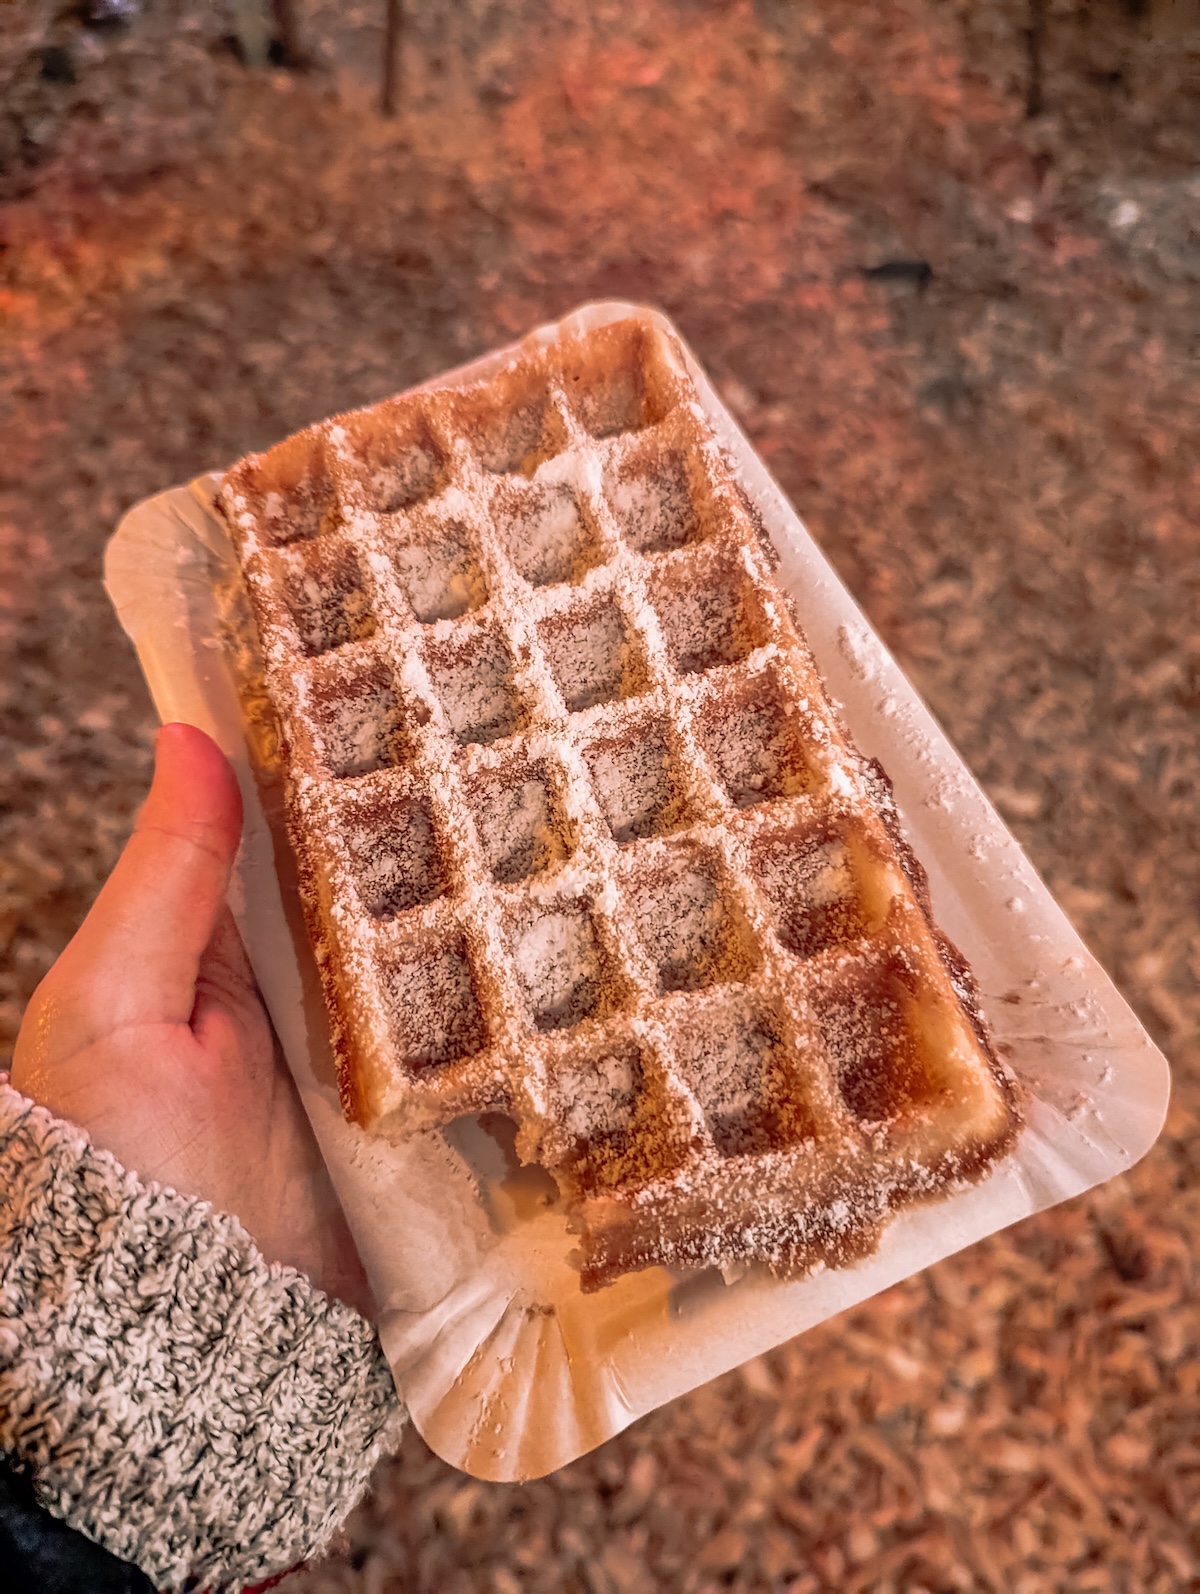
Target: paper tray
x=508, y=1370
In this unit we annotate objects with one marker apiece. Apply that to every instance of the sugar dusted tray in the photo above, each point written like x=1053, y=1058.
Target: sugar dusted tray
x=509, y=1368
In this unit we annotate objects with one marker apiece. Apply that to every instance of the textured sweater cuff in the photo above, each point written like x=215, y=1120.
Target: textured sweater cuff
x=204, y=1415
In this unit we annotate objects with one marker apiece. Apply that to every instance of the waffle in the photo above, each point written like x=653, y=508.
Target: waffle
x=581, y=838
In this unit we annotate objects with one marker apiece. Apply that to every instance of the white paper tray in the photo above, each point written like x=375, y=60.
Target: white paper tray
x=509, y=1371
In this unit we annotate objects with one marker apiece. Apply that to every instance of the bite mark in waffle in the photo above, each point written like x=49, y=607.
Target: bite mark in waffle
x=581, y=838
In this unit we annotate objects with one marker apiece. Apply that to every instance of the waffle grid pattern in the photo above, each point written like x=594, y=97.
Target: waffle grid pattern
x=580, y=837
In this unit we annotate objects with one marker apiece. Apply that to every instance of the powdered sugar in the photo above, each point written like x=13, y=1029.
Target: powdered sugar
x=592, y=656
x=557, y=962
x=519, y=831
x=474, y=685
x=544, y=532
x=441, y=575
x=633, y=784
x=600, y=1097
x=582, y=826
x=653, y=504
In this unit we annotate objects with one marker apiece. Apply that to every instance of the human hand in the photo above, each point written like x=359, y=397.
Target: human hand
x=150, y=1034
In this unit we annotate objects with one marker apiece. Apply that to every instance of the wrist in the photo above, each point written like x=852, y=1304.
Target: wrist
x=196, y=1411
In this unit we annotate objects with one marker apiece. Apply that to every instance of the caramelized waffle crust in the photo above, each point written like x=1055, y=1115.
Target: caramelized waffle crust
x=581, y=838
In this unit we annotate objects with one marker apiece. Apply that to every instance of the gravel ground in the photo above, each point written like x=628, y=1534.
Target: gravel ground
x=990, y=438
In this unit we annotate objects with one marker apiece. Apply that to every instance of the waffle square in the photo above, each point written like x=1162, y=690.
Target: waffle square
x=581, y=838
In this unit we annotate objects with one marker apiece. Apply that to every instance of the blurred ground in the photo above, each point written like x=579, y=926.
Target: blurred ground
x=998, y=454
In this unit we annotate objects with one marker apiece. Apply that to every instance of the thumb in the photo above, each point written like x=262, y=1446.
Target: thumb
x=138, y=951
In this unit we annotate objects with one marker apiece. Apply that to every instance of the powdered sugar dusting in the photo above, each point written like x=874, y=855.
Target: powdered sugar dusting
x=593, y=656
x=544, y=532
x=557, y=962
x=393, y=854
x=474, y=685
x=441, y=576
x=601, y=1095
x=432, y=1005
x=520, y=831
x=579, y=832
x=633, y=785
x=688, y=925
x=357, y=725
x=653, y=504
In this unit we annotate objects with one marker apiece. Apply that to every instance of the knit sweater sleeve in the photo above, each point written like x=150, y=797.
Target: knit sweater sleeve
x=204, y=1415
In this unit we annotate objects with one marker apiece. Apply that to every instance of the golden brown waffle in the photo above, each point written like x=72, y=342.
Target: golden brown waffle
x=580, y=836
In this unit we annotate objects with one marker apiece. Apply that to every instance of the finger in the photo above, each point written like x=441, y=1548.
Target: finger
x=225, y=973
x=140, y=946
x=227, y=995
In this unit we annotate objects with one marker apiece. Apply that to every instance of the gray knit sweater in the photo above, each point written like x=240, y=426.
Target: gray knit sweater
x=192, y=1409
